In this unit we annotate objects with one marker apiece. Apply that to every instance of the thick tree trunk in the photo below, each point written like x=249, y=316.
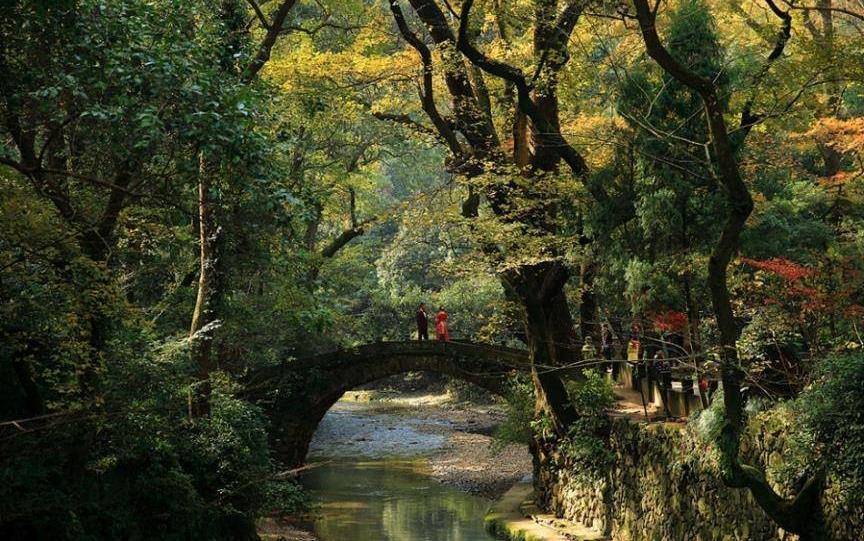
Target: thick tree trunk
x=550, y=336
x=551, y=341
x=545, y=371
x=563, y=330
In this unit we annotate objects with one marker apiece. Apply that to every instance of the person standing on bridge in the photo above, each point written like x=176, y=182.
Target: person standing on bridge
x=441, y=331
x=422, y=323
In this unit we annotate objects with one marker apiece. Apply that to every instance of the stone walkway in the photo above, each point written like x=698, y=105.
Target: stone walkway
x=628, y=403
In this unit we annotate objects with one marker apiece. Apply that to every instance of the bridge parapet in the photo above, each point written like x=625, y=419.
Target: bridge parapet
x=415, y=348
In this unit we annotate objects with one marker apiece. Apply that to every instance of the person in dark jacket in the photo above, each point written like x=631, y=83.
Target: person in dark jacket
x=422, y=323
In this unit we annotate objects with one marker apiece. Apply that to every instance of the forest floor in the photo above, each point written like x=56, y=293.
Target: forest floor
x=455, y=436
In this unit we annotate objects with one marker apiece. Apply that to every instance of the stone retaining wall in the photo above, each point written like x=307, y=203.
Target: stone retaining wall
x=663, y=487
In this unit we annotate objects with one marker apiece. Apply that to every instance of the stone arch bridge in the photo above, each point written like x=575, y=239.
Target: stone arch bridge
x=297, y=394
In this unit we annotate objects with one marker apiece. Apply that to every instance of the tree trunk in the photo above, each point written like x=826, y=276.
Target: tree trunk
x=550, y=336
x=33, y=403
x=800, y=514
x=204, y=317
x=551, y=393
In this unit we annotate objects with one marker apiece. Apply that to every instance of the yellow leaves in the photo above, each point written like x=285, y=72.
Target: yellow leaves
x=844, y=136
x=839, y=134
x=340, y=68
x=366, y=60
x=343, y=84
x=596, y=132
x=837, y=180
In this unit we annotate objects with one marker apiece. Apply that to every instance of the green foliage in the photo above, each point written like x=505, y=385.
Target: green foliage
x=593, y=395
x=833, y=419
x=161, y=474
x=585, y=445
x=517, y=426
x=708, y=423
x=98, y=260
x=586, y=441
x=675, y=201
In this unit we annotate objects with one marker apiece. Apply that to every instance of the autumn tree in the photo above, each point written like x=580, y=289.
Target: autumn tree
x=800, y=513
x=506, y=148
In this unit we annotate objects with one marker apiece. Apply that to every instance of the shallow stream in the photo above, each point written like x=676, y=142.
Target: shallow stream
x=374, y=486
x=391, y=500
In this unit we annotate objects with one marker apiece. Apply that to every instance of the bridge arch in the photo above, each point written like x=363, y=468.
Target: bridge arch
x=297, y=394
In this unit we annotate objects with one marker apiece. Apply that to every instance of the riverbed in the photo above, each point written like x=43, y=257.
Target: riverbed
x=416, y=468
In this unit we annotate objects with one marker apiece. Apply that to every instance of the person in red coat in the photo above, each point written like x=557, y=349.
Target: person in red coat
x=441, y=331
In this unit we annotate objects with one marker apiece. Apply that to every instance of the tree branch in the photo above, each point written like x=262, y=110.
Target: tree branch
x=344, y=238
x=656, y=50
x=824, y=9
x=556, y=43
x=748, y=118
x=13, y=164
x=551, y=136
x=426, y=96
x=402, y=118
x=468, y=114
x=261, y=18
x=98, y=240
x=266, y=46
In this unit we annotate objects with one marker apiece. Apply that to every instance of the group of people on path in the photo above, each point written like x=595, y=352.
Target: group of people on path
x=442, y=334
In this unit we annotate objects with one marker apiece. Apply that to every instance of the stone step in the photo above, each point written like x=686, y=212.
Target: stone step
x=565, y=528
x=515, y=517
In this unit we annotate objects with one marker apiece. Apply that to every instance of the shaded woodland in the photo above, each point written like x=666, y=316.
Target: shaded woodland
x=194, y=191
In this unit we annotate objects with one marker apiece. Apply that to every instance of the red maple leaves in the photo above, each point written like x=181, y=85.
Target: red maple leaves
x=669, y=321
x=784, y=268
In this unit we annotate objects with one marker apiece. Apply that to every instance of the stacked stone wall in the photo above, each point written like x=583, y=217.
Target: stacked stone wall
x=663, y=486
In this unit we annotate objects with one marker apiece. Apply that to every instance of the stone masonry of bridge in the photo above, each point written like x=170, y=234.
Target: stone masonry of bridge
x=297, y=393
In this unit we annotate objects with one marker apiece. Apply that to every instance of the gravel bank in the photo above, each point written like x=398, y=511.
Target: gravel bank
x=457, y=438
x=466, y=460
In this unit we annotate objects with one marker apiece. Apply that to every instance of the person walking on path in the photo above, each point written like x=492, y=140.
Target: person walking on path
x=422, y=323
x=441, y=331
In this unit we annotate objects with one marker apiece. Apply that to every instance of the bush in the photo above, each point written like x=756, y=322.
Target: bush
x=832, y=414
x=586, y=441
x=585, y=444
x=142, y=462
x=516, y=427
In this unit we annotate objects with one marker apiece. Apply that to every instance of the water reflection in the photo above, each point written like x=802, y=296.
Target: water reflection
x=391, y=500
